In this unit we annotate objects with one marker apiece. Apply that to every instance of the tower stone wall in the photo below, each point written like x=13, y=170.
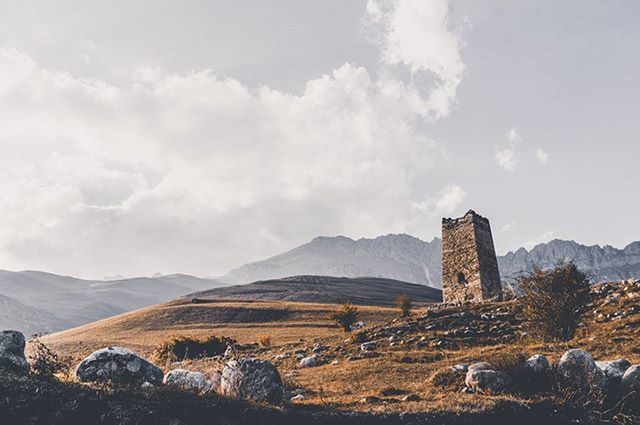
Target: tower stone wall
x=469, y=264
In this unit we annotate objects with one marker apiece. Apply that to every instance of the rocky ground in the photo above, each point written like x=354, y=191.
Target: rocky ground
x=443, y=364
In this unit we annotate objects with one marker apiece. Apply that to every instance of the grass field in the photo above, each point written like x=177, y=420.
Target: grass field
x=351, y=380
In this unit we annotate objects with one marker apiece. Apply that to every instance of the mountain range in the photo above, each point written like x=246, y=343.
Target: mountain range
x=38, y=302
x=404, y=257
x=33, y=301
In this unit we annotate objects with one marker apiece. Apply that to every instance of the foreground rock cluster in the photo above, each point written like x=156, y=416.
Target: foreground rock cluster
x=247, y=378
x=575, y=370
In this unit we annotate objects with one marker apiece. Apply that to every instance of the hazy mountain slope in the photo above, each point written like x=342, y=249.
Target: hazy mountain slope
x=326, y=289
x=401, y=257
x=406, y=258
x=38, y=302
x=16, y=315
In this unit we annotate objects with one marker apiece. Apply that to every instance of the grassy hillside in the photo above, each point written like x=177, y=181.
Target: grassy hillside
x=410, y=352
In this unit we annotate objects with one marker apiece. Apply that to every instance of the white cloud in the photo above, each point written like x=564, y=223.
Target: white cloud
x=198, y=173
x=542, y=156
x=509, y=157
x=507, y=227
x=446, y=201
x=543, y=238
x=416, y=34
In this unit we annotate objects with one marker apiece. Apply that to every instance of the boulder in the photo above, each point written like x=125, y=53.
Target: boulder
x=187, y=380
x=310, y=361
x=216, y=380
x=613, y=369
x=577, y=369
x=631, y=379
x=118, y=365
x=252, y=379
x=479, y=366
x=484, y=379
x=12, y=357
x=538, y=363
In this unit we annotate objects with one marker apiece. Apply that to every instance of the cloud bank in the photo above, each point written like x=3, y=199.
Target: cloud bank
x=198, y=173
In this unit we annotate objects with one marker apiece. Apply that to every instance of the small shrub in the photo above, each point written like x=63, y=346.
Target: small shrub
x=404, y=304
x=553, y=301
x=264, y=340
x=345, y=316
x=46, y=362
x=448, y=378
x=181, y=348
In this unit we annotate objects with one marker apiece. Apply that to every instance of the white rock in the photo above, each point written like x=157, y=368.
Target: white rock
x=479, y=366
x=187, y=380
x=368, y=346
x=538, y=363
x=484, y=379
x=118, y=365
x=310, y=361
x=577, y=369
x=252, y=379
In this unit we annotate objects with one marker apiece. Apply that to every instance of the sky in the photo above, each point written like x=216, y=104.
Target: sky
x=195, y=136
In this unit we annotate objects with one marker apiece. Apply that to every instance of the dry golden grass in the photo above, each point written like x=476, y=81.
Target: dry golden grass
x=402, y=369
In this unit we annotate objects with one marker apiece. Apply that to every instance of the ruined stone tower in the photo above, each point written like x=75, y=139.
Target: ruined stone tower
x=469, y=265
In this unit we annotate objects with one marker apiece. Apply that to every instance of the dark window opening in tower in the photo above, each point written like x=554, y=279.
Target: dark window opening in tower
x=461, y=278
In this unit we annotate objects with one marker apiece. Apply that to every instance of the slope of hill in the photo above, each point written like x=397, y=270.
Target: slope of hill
x=410, y=259
x=326, y=290
x=410, y=356
x=43, y=302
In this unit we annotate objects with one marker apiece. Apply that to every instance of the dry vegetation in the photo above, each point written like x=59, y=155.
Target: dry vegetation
x=413, y=354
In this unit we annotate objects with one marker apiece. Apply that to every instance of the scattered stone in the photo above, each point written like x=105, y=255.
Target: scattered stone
x=368, y=346
x=187, y=380
x=12, y=357
x=118, y=365
x=484, y=379
x=538, y=363
x=371, y=400
x=577, y=369
x=297, y=397
x=310, y=361
x=252, y=379
x=281, y=356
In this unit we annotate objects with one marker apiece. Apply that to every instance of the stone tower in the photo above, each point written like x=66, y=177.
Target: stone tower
x=469, y=265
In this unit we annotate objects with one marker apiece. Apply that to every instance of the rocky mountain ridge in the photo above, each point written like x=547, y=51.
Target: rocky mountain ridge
x=407, y=258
